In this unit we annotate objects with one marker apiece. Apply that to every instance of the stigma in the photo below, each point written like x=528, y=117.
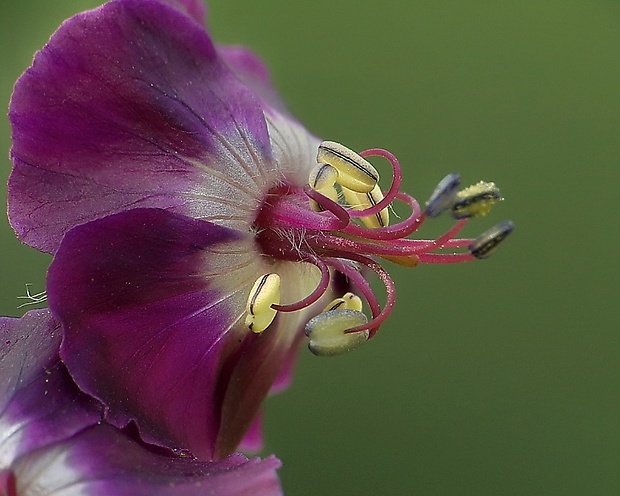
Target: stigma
x=340, y=222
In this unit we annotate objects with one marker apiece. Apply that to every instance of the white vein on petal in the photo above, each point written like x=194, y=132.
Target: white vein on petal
x=294, y=148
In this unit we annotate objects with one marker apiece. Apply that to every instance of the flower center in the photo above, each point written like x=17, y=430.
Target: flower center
x=339, y=222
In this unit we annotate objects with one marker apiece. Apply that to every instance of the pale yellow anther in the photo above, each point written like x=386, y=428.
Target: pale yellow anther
x=354, y=302
x=476, y=200
x=348, y=301
x=322, y=176
x=322, y=179
x=327, y=332
x=361, y=201
x=264, y=293
x=354, y=172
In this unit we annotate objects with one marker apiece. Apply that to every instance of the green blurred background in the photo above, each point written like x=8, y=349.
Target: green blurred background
x=497, y=377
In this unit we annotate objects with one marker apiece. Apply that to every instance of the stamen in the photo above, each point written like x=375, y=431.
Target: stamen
x=342, y=215
x=359, y=282
x=485, y=244
x=353, y=302
x=347, y=301
x=379, y=314
x=328, y=332
x=363, y=201
x=476, y=200
x=322, y=176
x=443, y=195
x=264, y=294
x=397, y=177
x=354, y=172
x=322, y=179
x=445, y=258
x=395, y=231
x=420, y=245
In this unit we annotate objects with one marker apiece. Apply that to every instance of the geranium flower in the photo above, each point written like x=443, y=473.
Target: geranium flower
x=52, y=440
x=197, y=227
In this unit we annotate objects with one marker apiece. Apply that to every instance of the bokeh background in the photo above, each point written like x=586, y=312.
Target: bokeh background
x=497, y=377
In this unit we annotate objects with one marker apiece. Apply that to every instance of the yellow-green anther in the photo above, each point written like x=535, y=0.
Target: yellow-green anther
x=361, y=201
x=348, y=301
x=485, y=244
x=476, y=200
x=264, y=293
x=327, y=332
x=354, y=172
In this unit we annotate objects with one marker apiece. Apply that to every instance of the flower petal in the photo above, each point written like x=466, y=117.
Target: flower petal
x=103, y=461
x=39, y=403
x=262, y=358
x=193, y=8
x=285, y=377
x=153, y=307
x=253, y=440
x=130, y=106
x=294, y=148
x=253, y=73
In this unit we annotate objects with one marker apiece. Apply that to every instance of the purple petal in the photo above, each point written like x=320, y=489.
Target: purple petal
x=261, y=358
x=162, y=319
x=149, y=303
x=193, y=8
x=252, y=72
x=153, y=307
x=39, y=403
x=130, y=106
x=103, y=461
x=285, y=376
x=253, y=440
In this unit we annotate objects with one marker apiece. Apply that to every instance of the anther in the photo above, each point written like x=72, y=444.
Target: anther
x=476, y=200
x=264, y=294
x=362, y=201
x=354, y=172
x=322, y=179
x=443, y=196
x=322, y=176
x=327, y=332
x=347, y=301
x=485, y=244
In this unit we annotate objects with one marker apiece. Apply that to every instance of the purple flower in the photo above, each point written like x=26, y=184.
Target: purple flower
x=52, y=440
x=198, y=228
